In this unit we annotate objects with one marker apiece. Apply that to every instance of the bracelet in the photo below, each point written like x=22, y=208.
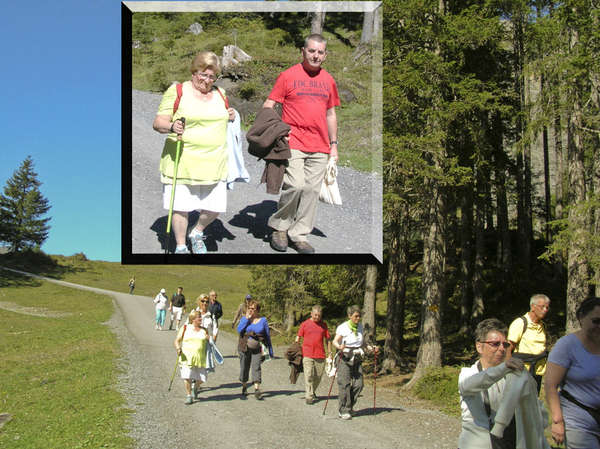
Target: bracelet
x=333, y=142
x=171, y=129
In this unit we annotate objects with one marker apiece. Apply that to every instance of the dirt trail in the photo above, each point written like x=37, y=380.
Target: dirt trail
x=223, y=418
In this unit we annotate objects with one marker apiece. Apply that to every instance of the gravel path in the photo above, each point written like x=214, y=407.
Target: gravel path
x=223, y=418
x=243, y=229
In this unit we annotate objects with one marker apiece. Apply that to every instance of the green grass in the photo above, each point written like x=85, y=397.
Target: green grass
x=58, y=375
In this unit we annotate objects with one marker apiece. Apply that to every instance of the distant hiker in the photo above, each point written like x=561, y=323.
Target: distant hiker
x=349, y=341
x=254, y=346
x=529, y=338
x=177, y=307
x=190, y=344
x=215, y=307
x=162, y=304
x=241, y=310
x=574, y=366
x=308, y=95
x=203, y=168
x=131, y=285
x=314, y=334
x=498, y=397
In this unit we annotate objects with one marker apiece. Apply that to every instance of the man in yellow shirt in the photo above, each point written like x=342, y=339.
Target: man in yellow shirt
x=529, y=337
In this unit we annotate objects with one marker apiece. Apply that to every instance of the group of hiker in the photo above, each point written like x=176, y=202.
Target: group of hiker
x=499, y=393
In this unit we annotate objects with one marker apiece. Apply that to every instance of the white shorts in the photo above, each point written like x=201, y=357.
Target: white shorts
x=176, y=313
x=193, y=372
x=188, y=198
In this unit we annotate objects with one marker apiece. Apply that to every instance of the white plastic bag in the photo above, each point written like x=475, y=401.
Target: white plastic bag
x=330, y=193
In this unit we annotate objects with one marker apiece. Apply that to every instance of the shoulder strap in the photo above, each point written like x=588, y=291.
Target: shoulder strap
x=226, y=100
x=178, y=99
x=524, y=325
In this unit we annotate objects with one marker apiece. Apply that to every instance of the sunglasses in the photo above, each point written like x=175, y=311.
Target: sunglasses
x=204, y=302
x=496, y=344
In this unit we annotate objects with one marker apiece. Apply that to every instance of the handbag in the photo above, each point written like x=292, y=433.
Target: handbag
x=330, y=192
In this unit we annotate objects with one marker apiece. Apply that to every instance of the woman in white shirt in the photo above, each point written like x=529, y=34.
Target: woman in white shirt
x=349, y=341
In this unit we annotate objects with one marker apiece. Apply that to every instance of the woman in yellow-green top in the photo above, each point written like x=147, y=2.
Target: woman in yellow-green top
x=202, y=170
x=190, y=345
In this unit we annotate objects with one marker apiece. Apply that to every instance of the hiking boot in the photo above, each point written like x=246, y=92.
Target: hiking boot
x=244, y=391
x=345, y=415
x=279, y=241
x=303, y=248
x=309, y=401
x=182, y=251
x=352, y=412
x=257, y=394
x=198, y=246
x=189, y=400
x=196, y=392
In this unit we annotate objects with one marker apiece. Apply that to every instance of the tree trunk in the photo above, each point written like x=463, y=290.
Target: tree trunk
x=558, y=208
x=578, y=275
x=396, y=288
x=477, y=312
x=368, y=28
x=466, y=223
x=430, y=338
x=370, y=330
x=317, y=21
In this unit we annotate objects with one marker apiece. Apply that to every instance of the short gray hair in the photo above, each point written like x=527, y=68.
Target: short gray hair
x=317, y=38
x=317, y=308
x=354, y=309
x=487, y=326
x=535, y=298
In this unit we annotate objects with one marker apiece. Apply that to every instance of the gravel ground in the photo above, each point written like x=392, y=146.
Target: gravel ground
x=242, y=231
x=223, y=418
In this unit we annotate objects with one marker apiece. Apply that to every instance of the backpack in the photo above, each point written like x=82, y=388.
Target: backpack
x=180, y=93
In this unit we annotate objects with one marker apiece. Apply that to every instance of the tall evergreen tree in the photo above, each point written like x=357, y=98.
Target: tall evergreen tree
x=22, y=207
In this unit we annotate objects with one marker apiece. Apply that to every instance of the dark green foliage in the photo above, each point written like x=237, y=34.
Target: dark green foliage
x=22, y=207
x=440, y=385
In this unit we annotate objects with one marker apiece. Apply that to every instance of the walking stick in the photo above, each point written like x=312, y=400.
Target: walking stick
x=177, y=153
x=332, y=380
x=173, y=376
x=375, y=385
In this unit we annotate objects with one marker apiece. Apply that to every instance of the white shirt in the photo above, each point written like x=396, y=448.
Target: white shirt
x=348, y=337
x=162, y=302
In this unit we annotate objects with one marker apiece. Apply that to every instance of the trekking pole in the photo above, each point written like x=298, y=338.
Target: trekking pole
x=332, y=380
x=177, y=153
x=173, y=376
x=375, y=385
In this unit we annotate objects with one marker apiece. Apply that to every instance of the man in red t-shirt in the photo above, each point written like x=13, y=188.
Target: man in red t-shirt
x=308, y=95
x=315, y=334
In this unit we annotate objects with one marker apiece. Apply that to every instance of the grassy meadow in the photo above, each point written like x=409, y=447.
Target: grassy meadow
x=60, y=363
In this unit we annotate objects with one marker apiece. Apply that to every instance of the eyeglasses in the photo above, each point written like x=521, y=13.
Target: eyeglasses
x=496, y=344
x=206, y=77
x=542, y=307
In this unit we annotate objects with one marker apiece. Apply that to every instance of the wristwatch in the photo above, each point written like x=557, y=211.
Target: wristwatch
x=333, y=142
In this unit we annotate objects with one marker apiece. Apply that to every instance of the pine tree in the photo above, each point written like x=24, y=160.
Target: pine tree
x=22, y=207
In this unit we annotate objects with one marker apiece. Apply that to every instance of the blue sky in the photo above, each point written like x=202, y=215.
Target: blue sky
x=61, y=104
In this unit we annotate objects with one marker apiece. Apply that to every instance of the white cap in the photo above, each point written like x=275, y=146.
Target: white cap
x=162, y=290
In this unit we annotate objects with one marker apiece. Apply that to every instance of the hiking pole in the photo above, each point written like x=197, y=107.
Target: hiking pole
x=375, y=374
x=173, y=376
x=177, y=153
x=332, y=380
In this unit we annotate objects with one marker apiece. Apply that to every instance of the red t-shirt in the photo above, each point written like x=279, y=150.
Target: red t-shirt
x=313, y=333
x=306, y=98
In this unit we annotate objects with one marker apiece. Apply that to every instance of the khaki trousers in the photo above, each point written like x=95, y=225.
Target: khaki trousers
x=297, y=208
x=313, y=371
